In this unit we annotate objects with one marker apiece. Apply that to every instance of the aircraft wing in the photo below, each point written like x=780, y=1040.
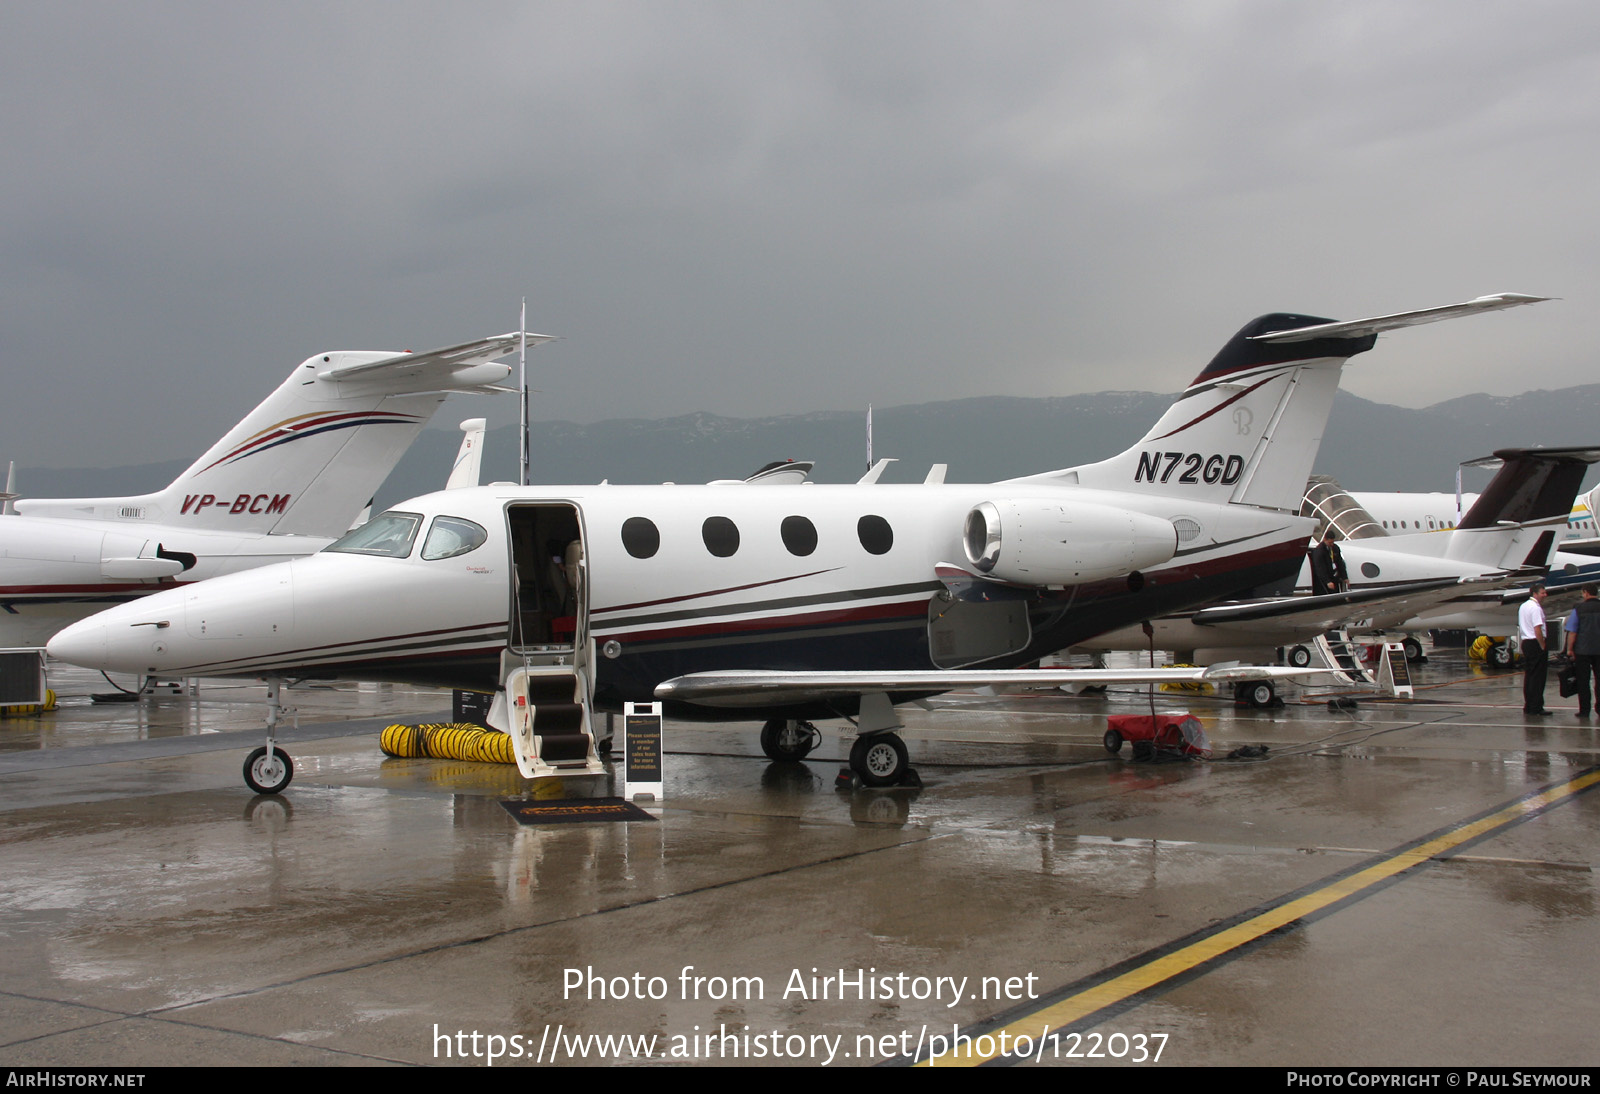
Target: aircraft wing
x=762, y=688
x=1331, y=610
x=1378, y=324
x=445, y=363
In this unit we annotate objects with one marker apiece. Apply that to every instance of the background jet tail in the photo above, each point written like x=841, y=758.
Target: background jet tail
x=1518, y=518
x=306, y=460
x=469, y=460
x=1248, y=428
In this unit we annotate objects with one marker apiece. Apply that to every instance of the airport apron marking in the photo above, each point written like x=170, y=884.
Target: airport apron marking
x=1097, y=998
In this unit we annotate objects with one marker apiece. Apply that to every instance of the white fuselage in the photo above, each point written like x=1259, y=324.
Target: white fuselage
x=811, y=582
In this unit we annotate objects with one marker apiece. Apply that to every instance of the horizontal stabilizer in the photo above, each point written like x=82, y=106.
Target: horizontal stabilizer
x=1378, y=324
x=440, y=366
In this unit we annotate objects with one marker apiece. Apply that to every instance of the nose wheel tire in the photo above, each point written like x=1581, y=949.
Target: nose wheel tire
x=787, y=741
x=268, y=776
x=879, y=759
x=1300, y=657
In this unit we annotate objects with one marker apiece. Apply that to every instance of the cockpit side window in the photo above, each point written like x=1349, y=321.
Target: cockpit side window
x=388, y=535
x=452, y=536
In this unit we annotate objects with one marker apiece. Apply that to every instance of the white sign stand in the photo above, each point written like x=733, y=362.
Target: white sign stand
x=642, y=769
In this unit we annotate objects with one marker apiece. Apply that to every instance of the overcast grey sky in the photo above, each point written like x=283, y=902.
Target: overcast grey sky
x=757, y=208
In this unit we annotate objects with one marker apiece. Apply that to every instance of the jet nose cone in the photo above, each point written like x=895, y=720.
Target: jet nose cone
x=81, y=644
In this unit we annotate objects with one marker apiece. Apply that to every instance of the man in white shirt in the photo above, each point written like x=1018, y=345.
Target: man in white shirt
x=1535, y=651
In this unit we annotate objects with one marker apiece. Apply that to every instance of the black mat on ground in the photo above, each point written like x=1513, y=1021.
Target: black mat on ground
x=575, y=811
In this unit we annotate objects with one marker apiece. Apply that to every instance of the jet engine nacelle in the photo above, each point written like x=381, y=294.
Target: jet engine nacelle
x=1038, y=541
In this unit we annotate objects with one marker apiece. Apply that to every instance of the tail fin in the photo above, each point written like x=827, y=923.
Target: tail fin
x=469, y=460
x=307, y=459
x=1516, y=519
x=1248, y=427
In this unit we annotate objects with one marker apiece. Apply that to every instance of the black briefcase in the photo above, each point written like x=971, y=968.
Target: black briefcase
x=1567, y=678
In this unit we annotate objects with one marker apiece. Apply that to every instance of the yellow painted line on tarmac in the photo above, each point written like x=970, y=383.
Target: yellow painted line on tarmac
x=1060, y=1015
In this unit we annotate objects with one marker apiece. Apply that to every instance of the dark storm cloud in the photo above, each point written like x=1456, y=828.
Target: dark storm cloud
x=754, y=208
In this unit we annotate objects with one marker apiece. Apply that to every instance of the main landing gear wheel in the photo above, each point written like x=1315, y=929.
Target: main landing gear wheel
x=788, y=741
x=268, y=776
x=879, y=759
x=1259, y=694
x=1300, y=657
x=1498, y=657
x=1413, y=649
x=1113, y=741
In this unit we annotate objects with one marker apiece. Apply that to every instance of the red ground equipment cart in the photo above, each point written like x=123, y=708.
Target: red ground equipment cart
x=1178, y=733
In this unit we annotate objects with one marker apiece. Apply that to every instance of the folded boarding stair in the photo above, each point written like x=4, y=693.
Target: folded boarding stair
x=1344, y=657
x=550, y=722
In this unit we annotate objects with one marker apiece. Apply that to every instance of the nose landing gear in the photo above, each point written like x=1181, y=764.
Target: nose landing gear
x=269, y=769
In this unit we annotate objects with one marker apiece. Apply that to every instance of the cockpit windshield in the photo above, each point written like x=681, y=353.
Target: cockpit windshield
x=388, y=534
x=452, y=536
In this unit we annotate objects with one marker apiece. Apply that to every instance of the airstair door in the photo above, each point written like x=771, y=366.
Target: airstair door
x=549, y=597
x=547, y=670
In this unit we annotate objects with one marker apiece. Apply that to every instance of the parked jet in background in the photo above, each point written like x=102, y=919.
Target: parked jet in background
x=1490, y=611
x=282, y=483
x=782, y=604
x=1405, y=512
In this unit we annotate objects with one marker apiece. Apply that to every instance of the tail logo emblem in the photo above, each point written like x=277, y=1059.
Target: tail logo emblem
x=1242, y=418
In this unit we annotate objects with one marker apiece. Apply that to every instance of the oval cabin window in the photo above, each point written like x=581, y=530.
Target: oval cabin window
x=876, y=535
x=640, y=537
x=721, y=536
x=799, y=535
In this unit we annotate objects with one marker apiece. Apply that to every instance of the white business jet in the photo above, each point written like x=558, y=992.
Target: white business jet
x=819, y=601
x=282, y=483
x=1433, y=518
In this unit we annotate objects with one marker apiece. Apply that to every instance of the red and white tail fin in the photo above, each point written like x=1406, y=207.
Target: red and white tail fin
x=305, y=460
x=1247, y=429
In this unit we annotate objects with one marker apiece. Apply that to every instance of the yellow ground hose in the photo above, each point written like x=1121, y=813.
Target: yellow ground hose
x=32, y=708
x=448, y=741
